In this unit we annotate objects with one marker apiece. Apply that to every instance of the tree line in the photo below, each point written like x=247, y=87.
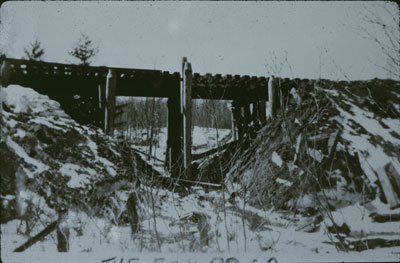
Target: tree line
x=84, y=50
x=140, y=113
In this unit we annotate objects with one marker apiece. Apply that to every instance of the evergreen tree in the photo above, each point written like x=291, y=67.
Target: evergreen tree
x=34, y=51
x=84, y=50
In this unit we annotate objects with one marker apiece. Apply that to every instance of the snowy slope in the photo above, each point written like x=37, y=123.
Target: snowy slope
x=320, y=158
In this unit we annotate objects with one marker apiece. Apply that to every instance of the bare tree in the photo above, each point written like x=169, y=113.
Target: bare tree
x=275, y=65
x=203, y=116
x=34, y=51
x=382, y=20
x=84, y=50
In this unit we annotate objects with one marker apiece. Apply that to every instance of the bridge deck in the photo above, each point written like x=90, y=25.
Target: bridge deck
x=133, y=82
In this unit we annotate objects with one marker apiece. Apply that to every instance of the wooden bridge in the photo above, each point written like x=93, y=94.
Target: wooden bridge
x=97, y=87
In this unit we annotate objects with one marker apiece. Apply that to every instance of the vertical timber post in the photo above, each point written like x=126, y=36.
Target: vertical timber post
x=272, y=98
x=237, y=119
x=254, y=111
x=5, y=75
x=247, y=116
x=111, y=84
x=261, y=111
x=62, y=231
x=256, y=116
x=247, y=121
x=186, y=110
x=234, y=121
x=174, y=141
x=237, y=114
x=101, y=89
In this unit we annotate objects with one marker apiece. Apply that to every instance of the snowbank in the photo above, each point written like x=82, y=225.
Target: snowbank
x=20, y=99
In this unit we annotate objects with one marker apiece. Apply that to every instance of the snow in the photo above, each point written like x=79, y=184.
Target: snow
x=296, y=96
x=103, y=241
x=21, y=99
x=20, y=133
x=276, y=237
x=204, y=139
x=299, y=255
x=283, y=182
x=45, y=121
x=316, y=154
x=368, y=120
x=12, y=123
x=72, y=170
x=276, y=159
x=371, y=157
x=109, y=165
x=21, y=153
x=356, y=217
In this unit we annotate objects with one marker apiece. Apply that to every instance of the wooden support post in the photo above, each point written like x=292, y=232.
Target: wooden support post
x=273, y=99
x=62, y=232
x=261, y=111
x=255, y=116
x=247, y=122
x=111, y=84
x=234, y=122
x=174, y=140
x=254, y=111
x=101, y=90
x=237, y=119
x=186, y=110
x=247, y=116
x=5, y=75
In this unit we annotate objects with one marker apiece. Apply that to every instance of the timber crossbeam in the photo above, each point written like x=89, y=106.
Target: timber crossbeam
x=138, y=82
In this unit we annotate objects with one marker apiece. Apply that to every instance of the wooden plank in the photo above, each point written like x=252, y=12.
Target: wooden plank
x=239, y=118
x=272, y=98
x=261, y=111
x=5, y=75
x=383, y=218
x=247, y=116
x=254, y=112
x=387, y=188
x=174, y=139
x=332, y=143
x=394, y=178
x=186, y=110
x=233, y=129
x=235, y=120
x=111, y=85
x=101, y=91
x=212, y=151
x=42, y=234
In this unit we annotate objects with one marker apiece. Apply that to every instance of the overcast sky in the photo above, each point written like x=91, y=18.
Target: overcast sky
x=319, y=38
